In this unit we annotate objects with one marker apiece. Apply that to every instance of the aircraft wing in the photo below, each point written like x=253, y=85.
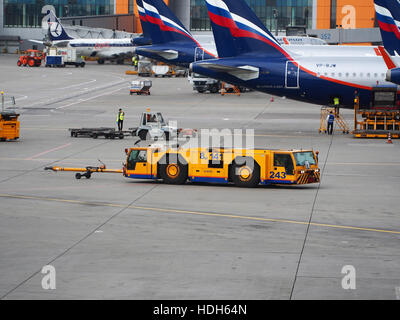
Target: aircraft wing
x=36, y=41
x=46, y=43
x=166, y=54
x=61, y=44
x=242, y=72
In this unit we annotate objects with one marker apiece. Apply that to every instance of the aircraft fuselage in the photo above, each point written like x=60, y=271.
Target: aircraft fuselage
x=311, y=79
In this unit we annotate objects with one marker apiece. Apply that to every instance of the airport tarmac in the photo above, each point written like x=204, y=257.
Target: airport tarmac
x=113, y=238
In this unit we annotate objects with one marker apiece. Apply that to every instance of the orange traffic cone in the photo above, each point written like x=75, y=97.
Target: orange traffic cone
x=389, y=138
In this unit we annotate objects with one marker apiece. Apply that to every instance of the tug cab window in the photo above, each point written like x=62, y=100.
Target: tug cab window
x=304, y=157
x=136, y=156
x=284, y=160
x=151, y=118
x=161, y=119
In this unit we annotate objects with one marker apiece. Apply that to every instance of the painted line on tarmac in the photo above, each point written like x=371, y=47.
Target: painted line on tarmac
x=88, y=99
x=78, y=84
x=16, y=99
x=48, y=151
x=376, y=164
x=41, y=128
x=66, y=161
x=285, y=136
x=210, y=214
x=57, y=160
x=97, y=229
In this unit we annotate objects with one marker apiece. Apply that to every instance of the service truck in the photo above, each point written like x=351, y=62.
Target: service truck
x=70, y=57
x=60, y=57
x=242, y=167
x=201, y=84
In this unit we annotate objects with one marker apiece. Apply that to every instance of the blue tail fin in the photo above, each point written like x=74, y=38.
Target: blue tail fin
x=237, y=30
x=143, y=20
x=163, y=25
x=388, y=16
x=56, y=31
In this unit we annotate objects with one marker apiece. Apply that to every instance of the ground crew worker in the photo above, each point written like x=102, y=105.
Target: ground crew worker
x=330, y=119
x=356, y=98
x=2, y=101
x=135, y=61
x=336, y=101
x=120, y=119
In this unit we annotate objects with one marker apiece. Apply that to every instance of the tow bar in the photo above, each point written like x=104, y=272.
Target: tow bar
x=87, y=172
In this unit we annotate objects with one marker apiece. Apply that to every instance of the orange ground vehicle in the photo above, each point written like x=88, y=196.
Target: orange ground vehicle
x=243, y=167
x=32, y=58
x=9, y=126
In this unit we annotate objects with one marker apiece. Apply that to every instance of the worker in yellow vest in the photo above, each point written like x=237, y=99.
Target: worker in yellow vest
x=135, y=61
x=336, y=101
x=356, y=98
x=120, y=119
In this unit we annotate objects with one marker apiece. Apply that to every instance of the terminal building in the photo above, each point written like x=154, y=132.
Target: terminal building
x=336, y=21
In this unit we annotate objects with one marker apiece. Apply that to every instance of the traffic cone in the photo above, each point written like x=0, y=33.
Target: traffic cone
x=272, y=99
x=389, y=138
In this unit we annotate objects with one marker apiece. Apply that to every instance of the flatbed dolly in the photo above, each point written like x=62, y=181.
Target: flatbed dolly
x=383, y=134
x=107, y=133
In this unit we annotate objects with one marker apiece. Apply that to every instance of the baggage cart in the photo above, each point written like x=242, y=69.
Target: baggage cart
x=140, y=87
x=107, y=133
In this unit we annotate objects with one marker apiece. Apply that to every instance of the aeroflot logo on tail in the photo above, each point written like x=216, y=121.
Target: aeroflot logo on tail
x=386, y=20
x=166, y=24
x=221, y=15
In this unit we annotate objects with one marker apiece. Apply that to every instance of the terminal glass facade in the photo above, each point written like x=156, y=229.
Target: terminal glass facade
x=28, y=13
x=275, y=14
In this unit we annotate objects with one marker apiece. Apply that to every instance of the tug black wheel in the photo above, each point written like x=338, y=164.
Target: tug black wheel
x=173, y=170
x=245, y=173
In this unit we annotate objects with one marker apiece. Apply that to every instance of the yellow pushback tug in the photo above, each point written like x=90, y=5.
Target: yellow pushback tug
x=245, y=168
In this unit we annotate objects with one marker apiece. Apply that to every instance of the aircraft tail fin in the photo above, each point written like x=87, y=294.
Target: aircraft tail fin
x=56, y=31
x=162, y=24
x=388, y=17
x=143, y=19
x=237, y=30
